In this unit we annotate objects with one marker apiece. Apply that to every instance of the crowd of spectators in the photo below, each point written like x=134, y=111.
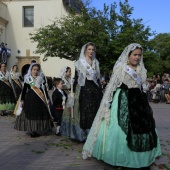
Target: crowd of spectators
x=157, y=88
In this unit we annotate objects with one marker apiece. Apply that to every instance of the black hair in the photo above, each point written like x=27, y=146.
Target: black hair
x=56, y=81
x=153, y=81
x=135, y=49
x=158, y=81
x=3, y=63
x=14, y=66
x=37, y=65
x=33, y=61
x=68, y=68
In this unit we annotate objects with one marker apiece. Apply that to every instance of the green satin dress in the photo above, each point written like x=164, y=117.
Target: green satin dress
x=111, y=144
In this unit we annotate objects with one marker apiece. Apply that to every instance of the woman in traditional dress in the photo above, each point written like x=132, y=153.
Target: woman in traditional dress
x=35, y=115
x=123, y=132
x=7, y=93
x=65, y=75
x=16, y=79
x=88, y=93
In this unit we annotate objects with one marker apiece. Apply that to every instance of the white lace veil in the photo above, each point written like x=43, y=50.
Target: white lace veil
x=12, y=69
x=29, y=71
x=63, y=72
x=82, y=69
x=116, y=80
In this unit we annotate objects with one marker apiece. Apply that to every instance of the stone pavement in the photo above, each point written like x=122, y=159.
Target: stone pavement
x=19, y=151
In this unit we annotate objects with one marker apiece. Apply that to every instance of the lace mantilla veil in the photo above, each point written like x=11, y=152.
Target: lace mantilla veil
x=63, y=72
x=116, y=80
x=62, y=75
x=82, y=69
x=29, y=73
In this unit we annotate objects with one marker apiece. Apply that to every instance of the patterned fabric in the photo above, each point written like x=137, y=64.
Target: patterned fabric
x=135, y=118
x=17, y=89
x=118, y=77
x=66, y=121
x=123, y=116
x=71, y=127
x=111, y=144
x=90, y=98
x=6, y=96
x=86, y=102
x=35, y=115
x=66, y=118
x=24, y=124
x=66, y=83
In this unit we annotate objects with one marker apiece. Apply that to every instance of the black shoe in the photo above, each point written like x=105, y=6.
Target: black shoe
x=37, y=135
x=58, y=134
x=34, y=135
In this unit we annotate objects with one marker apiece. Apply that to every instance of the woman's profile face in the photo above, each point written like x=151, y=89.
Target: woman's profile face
x=15, y=68
x=135, y=57
x=68, y=73
x=89, y=51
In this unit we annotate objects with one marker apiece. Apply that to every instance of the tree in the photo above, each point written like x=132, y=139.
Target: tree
x=160, y=47
x=110, y=31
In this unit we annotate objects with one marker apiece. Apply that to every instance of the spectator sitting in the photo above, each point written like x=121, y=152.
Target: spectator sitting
x=154, y=78
x=156, y=92
x=146, y=86
x=167, y=96
x=163, y=77
x=167, y=77
x=149, y=94
x=164, y=89
x=158, y=77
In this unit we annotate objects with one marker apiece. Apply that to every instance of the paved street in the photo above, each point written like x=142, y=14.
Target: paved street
x=19, y=151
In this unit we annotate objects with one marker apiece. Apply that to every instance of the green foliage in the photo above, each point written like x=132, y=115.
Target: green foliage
x=160, y=45
x=109, y=30
x=153, y=63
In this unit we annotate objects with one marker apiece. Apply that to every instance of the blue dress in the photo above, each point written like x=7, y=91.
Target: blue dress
x=119, y=145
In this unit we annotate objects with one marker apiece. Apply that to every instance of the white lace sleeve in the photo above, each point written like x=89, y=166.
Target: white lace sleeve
x=81, y=69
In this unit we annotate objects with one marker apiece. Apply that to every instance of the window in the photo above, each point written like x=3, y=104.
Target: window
x=28, y=17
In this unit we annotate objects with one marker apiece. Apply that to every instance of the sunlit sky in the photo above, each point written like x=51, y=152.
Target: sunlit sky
x=155, y=13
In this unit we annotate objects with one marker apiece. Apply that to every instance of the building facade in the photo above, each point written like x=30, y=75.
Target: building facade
x=18, y=18
x=3, y=21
